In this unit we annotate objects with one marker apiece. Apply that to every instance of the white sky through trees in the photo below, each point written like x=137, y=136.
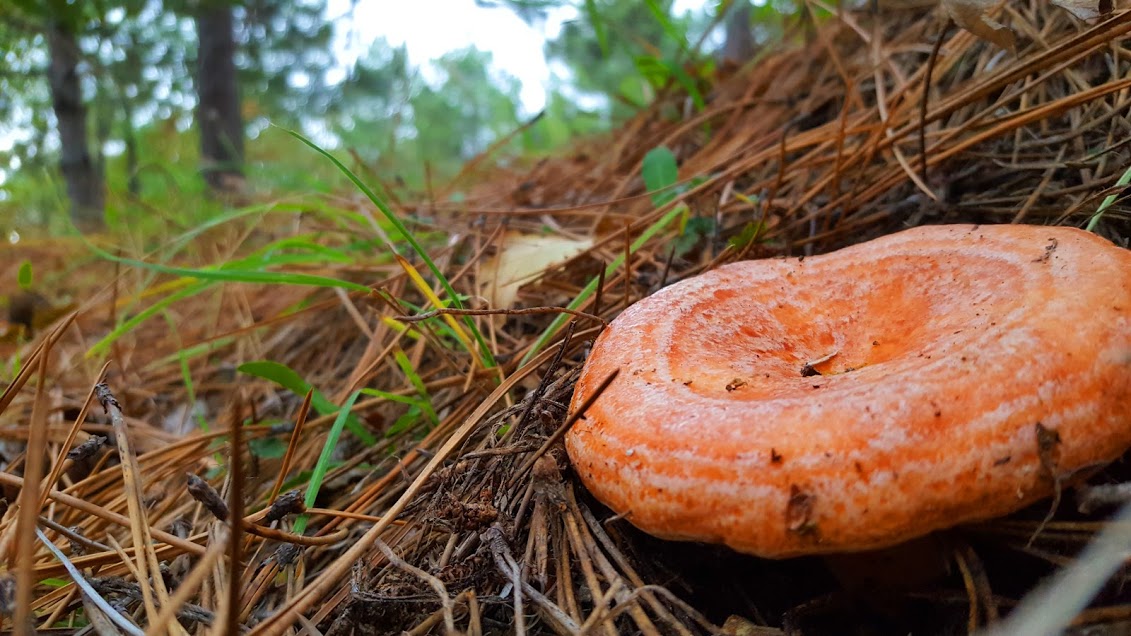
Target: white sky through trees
x=431, y=28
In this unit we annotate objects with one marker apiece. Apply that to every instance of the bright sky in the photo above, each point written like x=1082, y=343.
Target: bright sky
x=433, y=27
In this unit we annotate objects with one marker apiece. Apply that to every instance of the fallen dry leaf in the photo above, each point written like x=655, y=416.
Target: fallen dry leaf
x=1086, y=9
x=522, y=259
x=972, y=15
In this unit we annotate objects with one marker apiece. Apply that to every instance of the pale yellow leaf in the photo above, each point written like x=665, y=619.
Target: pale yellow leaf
x=1086, y=9
x=972, y=15
x=523, y=258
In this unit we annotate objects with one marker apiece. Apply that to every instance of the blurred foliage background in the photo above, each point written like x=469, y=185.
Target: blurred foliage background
x=149, y=114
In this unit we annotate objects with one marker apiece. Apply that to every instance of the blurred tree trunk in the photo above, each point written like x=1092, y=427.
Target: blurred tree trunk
x=219, y=117
x=739, y=45
x=83, y=178
x=133, y=62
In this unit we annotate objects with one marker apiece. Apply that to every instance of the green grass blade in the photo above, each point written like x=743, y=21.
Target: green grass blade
x=598, y=24
x=425, y=401
x=323, y=464
x=235, y=275
x=289, y=379
x=1109, y=200
x=186, y=373
x=145, y=314
x=674, y=33
x=188, y=353
x=392, y=397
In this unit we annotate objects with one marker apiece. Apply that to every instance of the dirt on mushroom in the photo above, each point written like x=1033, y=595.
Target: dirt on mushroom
x=475, y=520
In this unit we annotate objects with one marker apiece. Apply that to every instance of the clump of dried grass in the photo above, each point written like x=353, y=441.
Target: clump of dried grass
x=475, y=525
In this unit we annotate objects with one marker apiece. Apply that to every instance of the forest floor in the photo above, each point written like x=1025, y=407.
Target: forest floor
x=268, y=353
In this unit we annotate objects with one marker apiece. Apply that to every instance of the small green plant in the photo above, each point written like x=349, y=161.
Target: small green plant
x=287, y=378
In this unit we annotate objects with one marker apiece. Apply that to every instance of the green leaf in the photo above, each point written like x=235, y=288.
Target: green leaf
x=660, y=172
x=652, y=69
x=23, y=277
x=287, y=378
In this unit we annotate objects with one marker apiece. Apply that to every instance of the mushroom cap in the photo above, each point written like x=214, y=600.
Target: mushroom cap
x=859, y=399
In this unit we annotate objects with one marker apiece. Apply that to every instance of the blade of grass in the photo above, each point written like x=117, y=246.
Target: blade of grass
x=235, y=275
x=392, y=397
x=670, y=29
x=145, y=314
x=323, y=463
x=289, y=379
x=1109, y=200
x=425, y=401
x=598, y=24
x=188, y=353
x=400, y=226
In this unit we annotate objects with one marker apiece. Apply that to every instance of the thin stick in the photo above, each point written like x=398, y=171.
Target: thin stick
x=89, y=591
x=334, y=572
x=433, y=582
x=296, y=434
x=927, y=98
x=139, y=523
x=235, y=507
x=106, y=515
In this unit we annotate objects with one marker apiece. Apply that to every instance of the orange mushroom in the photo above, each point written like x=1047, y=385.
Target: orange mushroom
x=859, y=399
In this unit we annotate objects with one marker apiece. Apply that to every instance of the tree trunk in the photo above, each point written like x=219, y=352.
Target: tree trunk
x=84, y=180
x=218, y=114
x=739, y=45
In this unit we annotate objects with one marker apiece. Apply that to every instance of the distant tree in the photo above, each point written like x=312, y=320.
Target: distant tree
x=97, y=73
x=739, y=44
x=469, y=109
x=218, y=98
x=388, y=116
x=82, y=174
x=370, y=110
x=40, y=44
x=616, y=48
x=284, y=58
